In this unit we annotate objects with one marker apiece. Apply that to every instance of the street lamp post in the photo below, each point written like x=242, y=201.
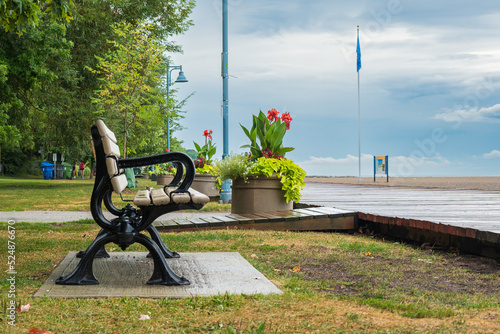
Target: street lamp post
x=226, y=184
x=180, y=79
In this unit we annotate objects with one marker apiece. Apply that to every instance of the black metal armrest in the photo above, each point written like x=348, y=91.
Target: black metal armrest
x=182, y=160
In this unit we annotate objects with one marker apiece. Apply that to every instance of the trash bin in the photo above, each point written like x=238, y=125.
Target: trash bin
x=67, y=169
x=47, y=169
x=129, y=173
x=58, y=171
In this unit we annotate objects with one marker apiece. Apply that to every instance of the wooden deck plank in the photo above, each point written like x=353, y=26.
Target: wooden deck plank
x=184, y=223
x=213, y=221
x=256, y=219
x=311, y=213
x=227, y=220
x=332, y=212
x=199, y=223
x=169, y=224
x=298, y=214
x=241, y=219
x=311, y=224
x=285, y=215
x=272, y=218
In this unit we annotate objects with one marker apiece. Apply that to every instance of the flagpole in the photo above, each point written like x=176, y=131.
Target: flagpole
x=359, y=111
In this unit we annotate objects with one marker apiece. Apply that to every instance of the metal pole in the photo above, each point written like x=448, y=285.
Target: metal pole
x=359, y=128
x=225, y=79
x=226, y=185
x=359, y=134
x=181, y=78
x=169, y=73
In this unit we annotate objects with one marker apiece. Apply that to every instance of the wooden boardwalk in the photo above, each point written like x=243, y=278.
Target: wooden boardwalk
x=471, y=217
x=307, y=219
x=468, y=220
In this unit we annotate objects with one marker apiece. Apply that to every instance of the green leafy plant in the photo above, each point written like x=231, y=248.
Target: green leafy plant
x=266, y=156
x=234, y=166
x=290, y=174
x=208, y=150
x=243, y=166
x=203, y=162
x=269, y=131
x=165, y=169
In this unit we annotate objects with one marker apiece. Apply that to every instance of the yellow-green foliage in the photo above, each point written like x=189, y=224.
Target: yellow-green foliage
x=291, y=175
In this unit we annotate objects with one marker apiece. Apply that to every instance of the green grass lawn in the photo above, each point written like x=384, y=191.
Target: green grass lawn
x=332, y=283
x=33, y=194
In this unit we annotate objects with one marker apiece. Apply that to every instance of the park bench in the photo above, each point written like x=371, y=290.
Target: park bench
x=131, y=220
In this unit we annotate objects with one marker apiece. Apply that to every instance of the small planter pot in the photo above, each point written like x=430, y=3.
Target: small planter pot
x=259, y=194
x=206, y=184
x=145, y=176
x=164, y=179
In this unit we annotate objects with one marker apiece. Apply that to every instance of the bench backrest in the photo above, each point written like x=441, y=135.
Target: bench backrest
x=112, y=152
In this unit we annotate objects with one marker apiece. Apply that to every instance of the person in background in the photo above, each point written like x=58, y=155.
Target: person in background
x=82, y=168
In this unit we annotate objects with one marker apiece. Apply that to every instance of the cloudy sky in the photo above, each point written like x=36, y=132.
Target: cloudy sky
x=430, y=89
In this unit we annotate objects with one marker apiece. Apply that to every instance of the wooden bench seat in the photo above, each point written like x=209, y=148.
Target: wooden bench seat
x=125, y=229
x=158, y=196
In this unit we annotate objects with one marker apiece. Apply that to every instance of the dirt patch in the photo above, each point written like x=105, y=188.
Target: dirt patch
x=359, y=274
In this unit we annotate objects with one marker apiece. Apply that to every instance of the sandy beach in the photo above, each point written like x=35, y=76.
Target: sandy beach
x=489, y=183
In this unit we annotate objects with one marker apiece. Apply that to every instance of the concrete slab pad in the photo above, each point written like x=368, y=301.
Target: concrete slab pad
x=126, y=274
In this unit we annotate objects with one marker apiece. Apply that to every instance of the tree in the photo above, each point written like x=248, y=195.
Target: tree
x=131, y=79
x=90, y=30
x=45, y=94
x=36, y=81
x=19, y=15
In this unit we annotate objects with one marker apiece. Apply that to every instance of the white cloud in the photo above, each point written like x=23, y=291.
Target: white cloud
x=328, y=166
x=300, y=57
x=398, y=166
x=471, y=114
x=493, y=154
x=418, y=165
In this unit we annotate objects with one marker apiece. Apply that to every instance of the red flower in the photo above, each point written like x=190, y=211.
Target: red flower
x=268, y=154
x=208, y=134
x=200, y=163
x=273, y=115
x=286, y=118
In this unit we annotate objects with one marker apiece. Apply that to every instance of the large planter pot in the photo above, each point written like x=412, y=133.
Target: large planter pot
x=206, y=184
x=259, y=194
x=164, y=179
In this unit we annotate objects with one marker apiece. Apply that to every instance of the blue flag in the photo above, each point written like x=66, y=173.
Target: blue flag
x=358, y=52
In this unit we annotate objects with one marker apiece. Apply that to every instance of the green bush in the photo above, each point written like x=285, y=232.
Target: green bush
x=15, y=162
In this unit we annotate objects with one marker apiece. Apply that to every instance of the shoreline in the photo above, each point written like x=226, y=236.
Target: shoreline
x=484, y=183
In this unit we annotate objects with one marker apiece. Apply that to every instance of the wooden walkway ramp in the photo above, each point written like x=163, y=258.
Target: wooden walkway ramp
x=466, y=219
x=463, y=219
x=307, y=219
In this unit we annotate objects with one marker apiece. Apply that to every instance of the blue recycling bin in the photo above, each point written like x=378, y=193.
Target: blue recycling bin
x=47, y=169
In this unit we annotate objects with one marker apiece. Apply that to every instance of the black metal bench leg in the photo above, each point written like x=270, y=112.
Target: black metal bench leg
x=157, y=238
x=162, y=274
x=101, y=253
x=83, y=273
